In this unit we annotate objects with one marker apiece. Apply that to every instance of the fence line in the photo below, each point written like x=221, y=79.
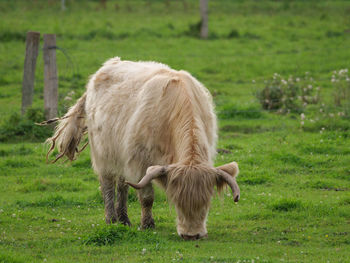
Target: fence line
x=238, y=82
x=255, y=83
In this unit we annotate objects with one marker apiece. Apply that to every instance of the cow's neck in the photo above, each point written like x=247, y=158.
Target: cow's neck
x=189, y=140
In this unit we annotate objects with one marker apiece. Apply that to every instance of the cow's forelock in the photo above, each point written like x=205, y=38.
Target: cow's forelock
x=190, y=189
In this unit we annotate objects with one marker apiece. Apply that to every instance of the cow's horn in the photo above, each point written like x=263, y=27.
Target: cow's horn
x=151, y=173
x=228, y=172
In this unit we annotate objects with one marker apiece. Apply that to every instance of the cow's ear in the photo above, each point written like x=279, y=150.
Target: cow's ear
x=230, y=168
x=226, y=174
x=151, y=173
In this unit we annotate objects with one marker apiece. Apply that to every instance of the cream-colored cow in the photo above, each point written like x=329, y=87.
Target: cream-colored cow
x=147, y=122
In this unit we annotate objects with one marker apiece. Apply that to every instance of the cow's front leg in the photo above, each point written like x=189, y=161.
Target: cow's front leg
x=146, y=197
x=122, y=199
x=108, y=192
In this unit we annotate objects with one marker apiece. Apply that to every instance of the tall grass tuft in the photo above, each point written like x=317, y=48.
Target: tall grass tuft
x=107, y=235
x=286, y=205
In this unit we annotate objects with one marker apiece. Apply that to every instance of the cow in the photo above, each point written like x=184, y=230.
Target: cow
x=149, y=123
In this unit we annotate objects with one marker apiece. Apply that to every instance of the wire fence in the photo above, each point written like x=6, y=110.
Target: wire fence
x=71, y=69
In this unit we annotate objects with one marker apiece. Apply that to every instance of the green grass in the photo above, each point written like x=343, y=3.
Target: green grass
x=294, y=179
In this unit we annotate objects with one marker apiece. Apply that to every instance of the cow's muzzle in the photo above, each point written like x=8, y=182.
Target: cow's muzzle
x=194, y=237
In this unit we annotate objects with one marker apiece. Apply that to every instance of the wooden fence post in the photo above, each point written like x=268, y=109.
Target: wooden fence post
x=32, y=50
x=50, y=76
x=203, y=6
x=63, y=5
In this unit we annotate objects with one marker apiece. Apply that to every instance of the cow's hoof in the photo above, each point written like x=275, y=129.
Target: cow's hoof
x=125, y=221
x=148, y=223
x=110, y=219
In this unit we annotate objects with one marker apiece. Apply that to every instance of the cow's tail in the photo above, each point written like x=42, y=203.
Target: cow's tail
x=69, y=132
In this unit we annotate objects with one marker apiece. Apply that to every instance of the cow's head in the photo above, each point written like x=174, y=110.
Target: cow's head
x=190, y=188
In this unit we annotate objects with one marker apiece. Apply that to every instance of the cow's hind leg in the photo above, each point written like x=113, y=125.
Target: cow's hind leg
x=108, y=192
x=122, y=199
x=146, y=197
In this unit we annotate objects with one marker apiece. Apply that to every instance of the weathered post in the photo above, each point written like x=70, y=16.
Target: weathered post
x=63, y=5
x=50, y=76
x=103, y=3
x=32, y=50
x=204, y=18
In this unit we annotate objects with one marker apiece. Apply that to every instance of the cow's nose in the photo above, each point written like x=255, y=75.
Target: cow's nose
x=188, y=237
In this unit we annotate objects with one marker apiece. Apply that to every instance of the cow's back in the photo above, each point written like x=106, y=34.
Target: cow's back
x=132, y=112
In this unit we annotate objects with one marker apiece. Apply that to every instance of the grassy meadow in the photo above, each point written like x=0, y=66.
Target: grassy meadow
x=294, y=166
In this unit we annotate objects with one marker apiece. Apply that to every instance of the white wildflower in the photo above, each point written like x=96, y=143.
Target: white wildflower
x=144, y=251
x=302, y=116
x=297, y=79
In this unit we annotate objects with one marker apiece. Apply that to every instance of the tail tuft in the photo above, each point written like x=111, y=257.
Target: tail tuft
x=68, y=132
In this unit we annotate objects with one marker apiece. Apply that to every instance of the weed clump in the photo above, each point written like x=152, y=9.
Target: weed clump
x=115, y=234
x=286, y=205
x=109, y=235
x=341, y=83
x=24, y=127
x=288, y=95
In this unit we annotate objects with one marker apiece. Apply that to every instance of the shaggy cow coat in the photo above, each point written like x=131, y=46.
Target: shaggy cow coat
x=147, y=121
